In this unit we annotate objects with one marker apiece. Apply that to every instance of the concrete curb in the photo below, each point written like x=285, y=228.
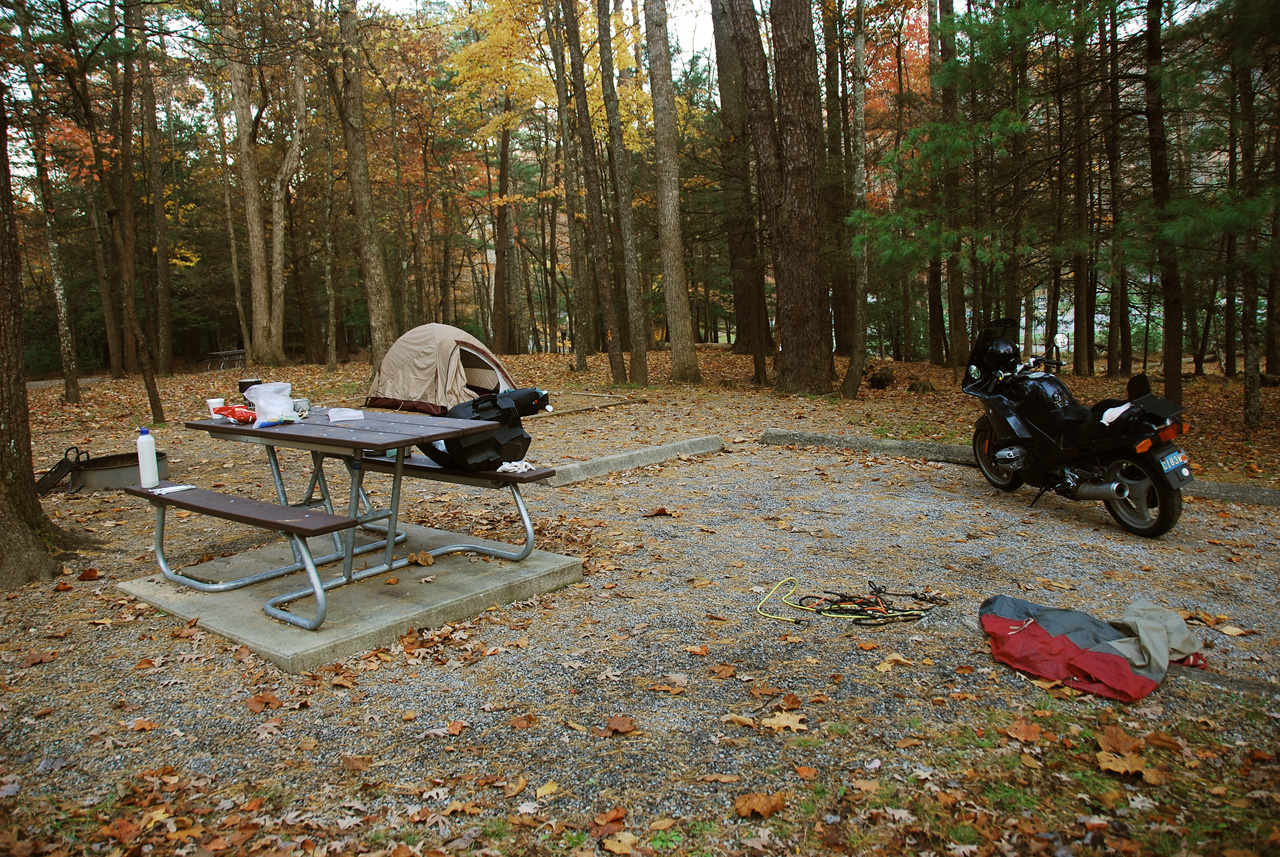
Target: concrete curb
x=580, y=471
x=957, y=454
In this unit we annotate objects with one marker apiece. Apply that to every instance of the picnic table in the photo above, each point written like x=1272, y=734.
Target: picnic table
x=225, y=359
x=380, y=442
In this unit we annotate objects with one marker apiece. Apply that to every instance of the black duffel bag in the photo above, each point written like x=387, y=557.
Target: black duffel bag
x=489, y=450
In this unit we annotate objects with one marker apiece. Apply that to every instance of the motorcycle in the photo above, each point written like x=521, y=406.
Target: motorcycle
x=1121, y=452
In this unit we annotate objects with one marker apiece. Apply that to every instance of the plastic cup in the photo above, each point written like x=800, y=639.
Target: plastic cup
x=215, y=403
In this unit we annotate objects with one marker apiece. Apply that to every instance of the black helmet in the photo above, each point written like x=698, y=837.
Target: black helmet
x=1001, y=355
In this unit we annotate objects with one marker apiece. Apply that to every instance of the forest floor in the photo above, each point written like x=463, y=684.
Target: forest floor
x=656, y=708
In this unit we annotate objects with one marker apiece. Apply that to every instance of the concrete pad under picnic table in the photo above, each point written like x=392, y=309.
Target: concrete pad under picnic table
x=361, y=616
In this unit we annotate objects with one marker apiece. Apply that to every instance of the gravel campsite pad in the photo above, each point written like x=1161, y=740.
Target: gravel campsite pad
x=652, y=708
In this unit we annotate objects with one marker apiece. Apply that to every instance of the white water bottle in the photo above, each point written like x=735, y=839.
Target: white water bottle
x=148, y=469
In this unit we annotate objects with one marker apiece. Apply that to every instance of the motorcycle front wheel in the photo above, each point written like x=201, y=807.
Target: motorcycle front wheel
x=1153, y=505
x=984, y=453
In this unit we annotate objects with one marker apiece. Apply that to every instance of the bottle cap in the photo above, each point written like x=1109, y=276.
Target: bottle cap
x=143, y=431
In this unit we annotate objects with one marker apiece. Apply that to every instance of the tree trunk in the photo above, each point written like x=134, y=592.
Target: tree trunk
x=123, y=226
x=1249, y=273
x=951, y=201
x=502, y=326
x=746, y=265
x=330, y=292
x=25, y=557
x=106, y=286
x=275, y=355
x=636, y=311
x=159, y=216
x=684, y=358
x=1166, y=251
x=858, y=335
x=48, y=213
x=377, y=293
x=594, y=185
x=789, y=188
x=1119, y=344
x=1080, y=363
x=258, y=349
x=582, y=310
x=246, y=338
x=835, y=183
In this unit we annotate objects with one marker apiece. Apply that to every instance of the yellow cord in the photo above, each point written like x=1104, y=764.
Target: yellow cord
x=794, y=583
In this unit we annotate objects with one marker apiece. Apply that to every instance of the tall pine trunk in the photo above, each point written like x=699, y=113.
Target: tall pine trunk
x=595, y=188
x=377, y=294
x=746, y=265
x=789, y=187
x=684, y=359
x=1161, y=196
x=25, y=557
x=623, y=198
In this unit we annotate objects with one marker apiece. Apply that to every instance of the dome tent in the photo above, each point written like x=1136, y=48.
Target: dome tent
x=434, y=367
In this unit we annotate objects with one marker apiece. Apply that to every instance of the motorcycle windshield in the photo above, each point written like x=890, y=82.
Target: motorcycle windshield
x=1001, y=328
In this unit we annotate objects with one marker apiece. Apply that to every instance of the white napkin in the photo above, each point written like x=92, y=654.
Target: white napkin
x=337, y=415
x=515, y=467
x=1110, y=415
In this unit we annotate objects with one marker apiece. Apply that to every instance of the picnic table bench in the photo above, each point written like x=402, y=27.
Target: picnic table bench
x=297, y=524
x=421, y=467
x=225, y=359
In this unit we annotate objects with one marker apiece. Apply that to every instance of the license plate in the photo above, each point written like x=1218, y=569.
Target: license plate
x=1174, y=459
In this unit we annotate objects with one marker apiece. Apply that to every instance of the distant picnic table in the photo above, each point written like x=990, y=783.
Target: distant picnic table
x=225, y=359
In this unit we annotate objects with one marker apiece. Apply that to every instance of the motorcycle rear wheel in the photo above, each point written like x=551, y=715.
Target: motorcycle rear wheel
x=984, y=452
x=1153, y=505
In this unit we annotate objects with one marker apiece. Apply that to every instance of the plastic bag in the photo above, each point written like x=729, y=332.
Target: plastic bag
x=273, y=403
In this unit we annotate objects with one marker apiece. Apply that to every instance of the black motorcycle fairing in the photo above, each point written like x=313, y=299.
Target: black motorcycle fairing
x=979, y=375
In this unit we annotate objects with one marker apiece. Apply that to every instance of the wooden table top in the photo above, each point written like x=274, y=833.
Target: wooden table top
x=379, y=432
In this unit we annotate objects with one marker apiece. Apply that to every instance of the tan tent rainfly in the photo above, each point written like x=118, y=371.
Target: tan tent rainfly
x=434, y=367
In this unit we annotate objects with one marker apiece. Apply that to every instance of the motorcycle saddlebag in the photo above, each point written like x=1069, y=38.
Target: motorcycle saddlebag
x=485, y=450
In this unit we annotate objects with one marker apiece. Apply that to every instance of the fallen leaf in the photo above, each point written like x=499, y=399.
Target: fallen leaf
x=738, y=720
x=514, y=786
x=1023, y=730
x=1115, y=740
x=758, y=803
x=607, y=823
x=1233, y=631
x=806, y=773
x=356, y=763
x=547, y=789
x=89, y=574
x=783, y=720
x=908, y=742
x=1030, y=761
x=1126, y=764
x=262, y=701
x=455, y=727
x=621, y=843
x=719, y=778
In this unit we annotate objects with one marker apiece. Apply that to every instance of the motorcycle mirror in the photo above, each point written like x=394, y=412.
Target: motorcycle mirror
x=1060, y=340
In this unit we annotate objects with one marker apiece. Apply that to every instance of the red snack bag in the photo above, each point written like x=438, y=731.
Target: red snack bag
x=236, y=413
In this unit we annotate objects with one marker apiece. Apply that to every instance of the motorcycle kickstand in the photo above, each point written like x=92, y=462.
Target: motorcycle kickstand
x=1043, y=491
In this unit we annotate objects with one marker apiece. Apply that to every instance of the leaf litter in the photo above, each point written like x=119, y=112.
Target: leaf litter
x=127, y=729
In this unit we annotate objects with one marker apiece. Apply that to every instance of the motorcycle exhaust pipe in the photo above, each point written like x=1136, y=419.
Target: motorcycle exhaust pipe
x=1100, y=491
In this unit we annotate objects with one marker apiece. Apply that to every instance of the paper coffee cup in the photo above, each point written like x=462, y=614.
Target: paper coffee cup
x=215, y=403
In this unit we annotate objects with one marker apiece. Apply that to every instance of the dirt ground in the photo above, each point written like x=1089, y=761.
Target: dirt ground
x=659, y=707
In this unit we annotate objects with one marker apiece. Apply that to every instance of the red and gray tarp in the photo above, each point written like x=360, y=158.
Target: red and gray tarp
x=1125, y=660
